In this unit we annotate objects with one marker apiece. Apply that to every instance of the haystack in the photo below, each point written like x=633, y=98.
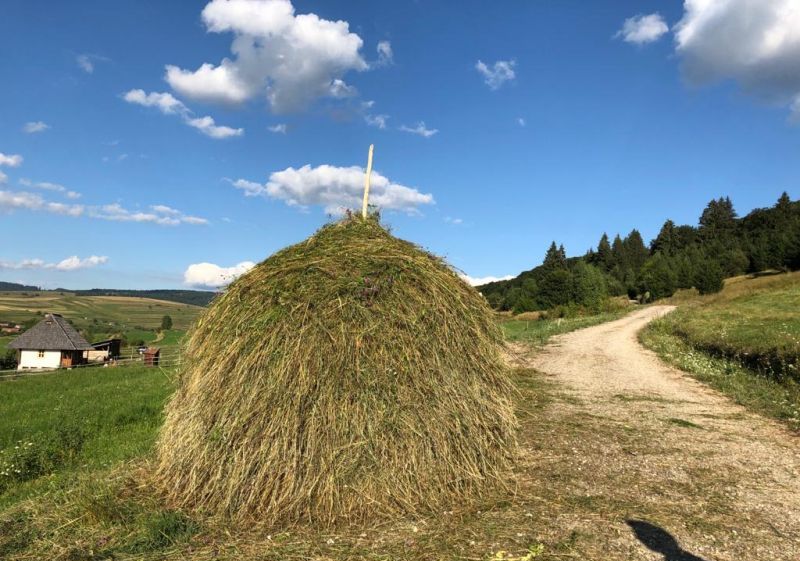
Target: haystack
x=350, y=375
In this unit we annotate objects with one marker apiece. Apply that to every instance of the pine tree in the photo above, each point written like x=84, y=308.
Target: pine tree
x=635, y=252
x=604, y=259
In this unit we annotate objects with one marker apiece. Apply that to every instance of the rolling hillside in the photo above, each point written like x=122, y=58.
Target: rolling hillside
x=101, y=313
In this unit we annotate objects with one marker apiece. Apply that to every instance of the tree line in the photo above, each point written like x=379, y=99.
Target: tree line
x=721, y=245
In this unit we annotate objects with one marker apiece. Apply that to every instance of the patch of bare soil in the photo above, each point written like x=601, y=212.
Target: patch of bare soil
x=632, y=459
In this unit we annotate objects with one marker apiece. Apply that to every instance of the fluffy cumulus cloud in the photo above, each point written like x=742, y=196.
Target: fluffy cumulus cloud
x=10, y=160
x=498, y=74
x=755, y=42
x=168, y=104
x=209, y=275
x=72, y=263
x=419, y=129
x=335, y=189
x=642, y=29
x=479, y=281
x=33, y=127
x=290, y=59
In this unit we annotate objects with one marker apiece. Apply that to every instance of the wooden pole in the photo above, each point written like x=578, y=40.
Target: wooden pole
x=366, y=183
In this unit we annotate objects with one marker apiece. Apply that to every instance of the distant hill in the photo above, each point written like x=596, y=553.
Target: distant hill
x=193, y=297
x=14, y=287
x=98, y=313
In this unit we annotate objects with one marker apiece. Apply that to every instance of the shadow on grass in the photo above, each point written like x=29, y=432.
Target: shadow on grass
x=659, y=540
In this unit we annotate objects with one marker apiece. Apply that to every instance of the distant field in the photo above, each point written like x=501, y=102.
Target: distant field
x=101, y=313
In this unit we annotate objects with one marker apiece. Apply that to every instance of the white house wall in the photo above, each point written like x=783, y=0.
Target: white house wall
x=31, y=359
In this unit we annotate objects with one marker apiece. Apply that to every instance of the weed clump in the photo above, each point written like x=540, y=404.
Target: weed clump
x=348, y=376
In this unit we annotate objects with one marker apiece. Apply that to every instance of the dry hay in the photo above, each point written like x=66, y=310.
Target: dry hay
x=347, y=376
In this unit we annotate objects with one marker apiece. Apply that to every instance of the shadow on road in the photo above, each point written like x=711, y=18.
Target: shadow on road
x=659, y=540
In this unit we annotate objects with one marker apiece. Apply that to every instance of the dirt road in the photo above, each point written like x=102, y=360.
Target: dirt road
x=658, y=466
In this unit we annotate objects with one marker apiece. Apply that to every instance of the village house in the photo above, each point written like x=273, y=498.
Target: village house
x=9, y=328
x=51, y=343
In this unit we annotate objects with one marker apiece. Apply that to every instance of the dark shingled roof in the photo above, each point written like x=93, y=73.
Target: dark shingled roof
x=53, y=333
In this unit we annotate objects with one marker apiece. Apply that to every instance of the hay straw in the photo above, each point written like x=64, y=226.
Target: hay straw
x=348, y=376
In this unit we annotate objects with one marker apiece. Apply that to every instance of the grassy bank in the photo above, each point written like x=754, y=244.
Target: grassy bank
x=744, y=341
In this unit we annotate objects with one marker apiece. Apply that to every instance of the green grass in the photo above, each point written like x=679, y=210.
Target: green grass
x=762, y=394
x=55, y=424
x=743, y=341
x=4, y=341
x=760, y=329
x=538, y=331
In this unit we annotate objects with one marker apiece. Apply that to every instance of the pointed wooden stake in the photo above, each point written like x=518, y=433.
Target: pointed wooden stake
x=366, y=183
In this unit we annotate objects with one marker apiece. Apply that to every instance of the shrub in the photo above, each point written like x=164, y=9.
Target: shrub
x=709, y=279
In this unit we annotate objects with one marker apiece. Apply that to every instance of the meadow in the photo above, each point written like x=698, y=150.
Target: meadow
x=743, y=341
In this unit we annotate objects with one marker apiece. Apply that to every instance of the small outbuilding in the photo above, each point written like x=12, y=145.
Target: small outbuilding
x=103, y=351
x=152, y=356
x=51, y=343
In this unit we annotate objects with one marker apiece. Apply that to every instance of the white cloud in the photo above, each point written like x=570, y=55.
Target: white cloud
x=209, y=275
x=10, y=160
x=157, y=214
x=35, y=126
x=165, y=102
x=378, y=121
x=250, y=188
x=521, y=121
x=72, y=263
x=754, y=42
x=451, y=220
x=22, y=200
x=479, y=281
x=86, y=62
x=207, y=126
x=642, y=29
x=420, y=129
x=498, y=74
x=3, y=178
x=335, y=189
x=47, y=186
x=169, y=105
x=280, y=128
x=385, y=53
x=290, y=59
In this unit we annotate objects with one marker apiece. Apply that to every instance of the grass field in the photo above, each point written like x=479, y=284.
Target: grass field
x=101, y=313
x=53, y=426
x=744, y=341
x=80, y=438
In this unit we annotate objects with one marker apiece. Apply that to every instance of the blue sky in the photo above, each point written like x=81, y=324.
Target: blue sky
x=585, y=117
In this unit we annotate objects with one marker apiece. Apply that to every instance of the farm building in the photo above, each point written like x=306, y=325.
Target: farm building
x=103, y=351
x=9, y=328
x=51, y=343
